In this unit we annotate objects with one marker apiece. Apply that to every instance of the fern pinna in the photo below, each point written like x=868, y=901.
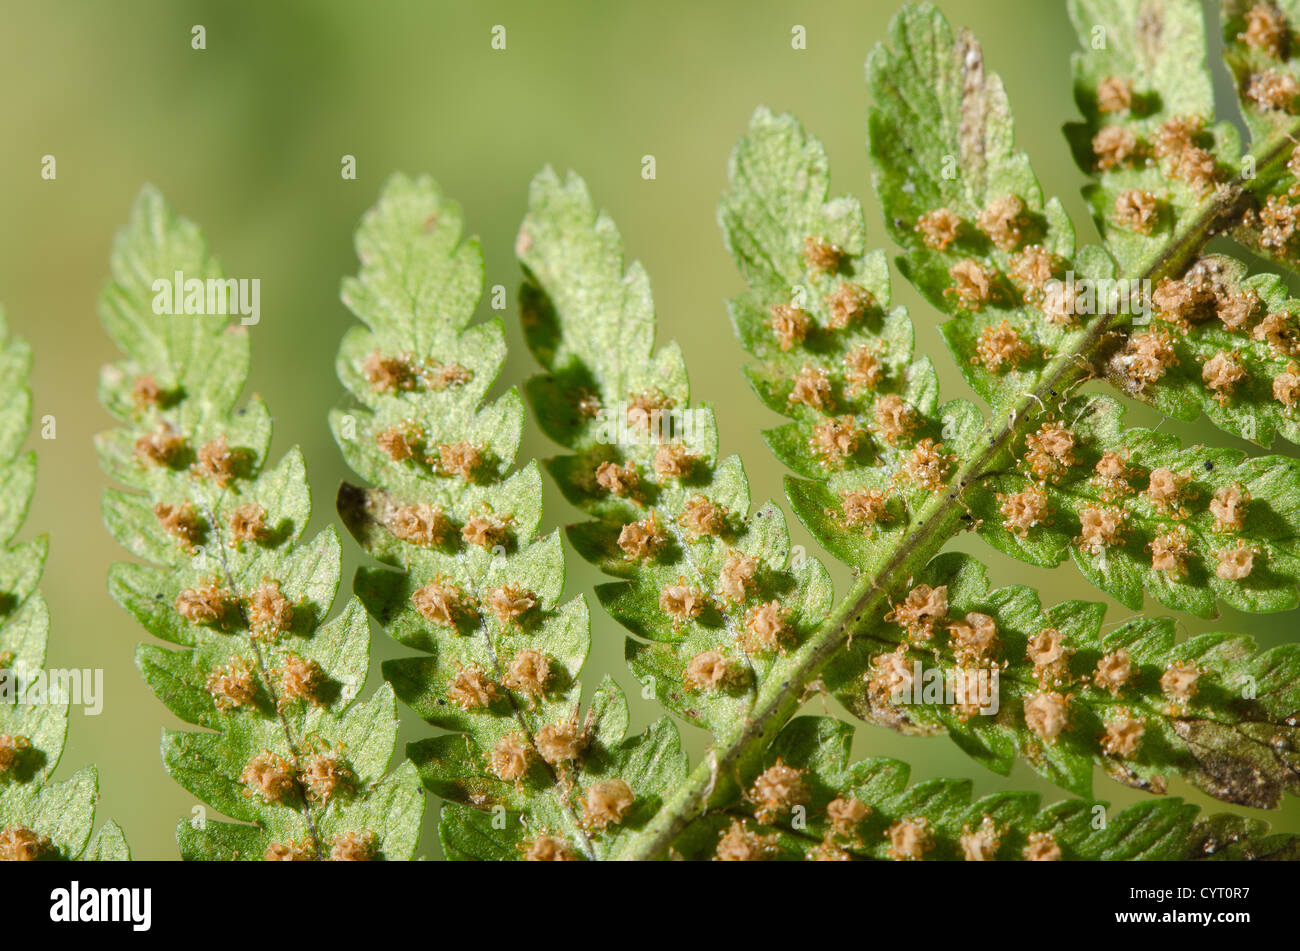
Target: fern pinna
x=40, y=820
x=526, y=772
x=886, y=474
x=734, y=635
x=288, y=749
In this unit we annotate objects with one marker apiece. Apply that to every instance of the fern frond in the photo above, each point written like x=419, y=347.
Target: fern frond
x=1050, y=473
x=866, y=809
x=1222, y=342
x=39, y=818
x=288, y=749
x=833, y=355
x=1066, y=693
x=719, y=610
x=476, y=588
x=775, y=788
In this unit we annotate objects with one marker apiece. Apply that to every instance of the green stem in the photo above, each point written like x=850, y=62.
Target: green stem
x=714, y=781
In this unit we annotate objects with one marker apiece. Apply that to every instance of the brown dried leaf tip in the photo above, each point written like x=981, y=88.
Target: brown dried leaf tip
x=939, y=228
x=1023, y=510
x=777, y=790
x=420, y=524
x=820, y=256
x=739, y=844
x=706, y=671
x=606, y=803
x=1003, y=221
x=206, y=604
x=11, y=747
x=270, y=613
x=789, y=324
x=909, y=839
x=642, y=539
x=181, y=522
x=472, y=688
x=231, y=685
x=216, y=461
x=681, y=602
x=766, y=628
x=161, y=447
x=270, y=776
x=846, y=304
x=20, y=844
x=247, y=523
x=297, y=678
x=920, y=611
x=1266, y=30
x=1000, y=346
x=439, y=601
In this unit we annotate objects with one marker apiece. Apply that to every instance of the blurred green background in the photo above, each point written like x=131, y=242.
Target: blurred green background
x=246, y=137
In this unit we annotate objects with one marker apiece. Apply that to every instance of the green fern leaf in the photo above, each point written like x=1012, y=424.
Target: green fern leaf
x=866, y=809
x=288, y=748
x=710, y=591
x=476, y=589
x=39, y=818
